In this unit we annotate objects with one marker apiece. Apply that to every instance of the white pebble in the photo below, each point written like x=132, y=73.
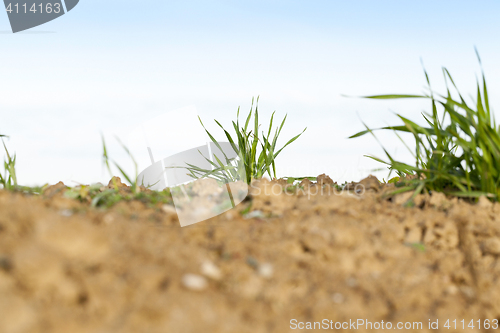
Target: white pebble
x=66, y=212
x=108, y=219
x=194, y=282
x=266, y=270
x=338, y=298
x=211, y=271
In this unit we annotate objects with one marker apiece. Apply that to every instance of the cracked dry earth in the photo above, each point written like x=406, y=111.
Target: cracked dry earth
x=66, y=267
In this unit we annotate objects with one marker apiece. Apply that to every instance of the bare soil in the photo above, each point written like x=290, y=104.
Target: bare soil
x=308, y=255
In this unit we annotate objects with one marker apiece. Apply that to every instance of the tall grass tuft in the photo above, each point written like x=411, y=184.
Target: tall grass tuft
x=257, y=150
x=456, y=151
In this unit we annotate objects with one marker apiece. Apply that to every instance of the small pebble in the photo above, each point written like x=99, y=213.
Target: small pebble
x=108, y=219
x=251, y=261
x=211, y=271
x=266, y=270
x=483, y=202
x=468, y=292
x=255, y=214
x=352, y=282
x=451, y=290
x=194, y=282
x=338, y=298
x=169, y=209
x=492, y=246
x=66, y=212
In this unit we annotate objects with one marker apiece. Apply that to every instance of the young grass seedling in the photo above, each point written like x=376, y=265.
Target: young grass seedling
x=9, y=179
x=107, y=160
x=257, y=152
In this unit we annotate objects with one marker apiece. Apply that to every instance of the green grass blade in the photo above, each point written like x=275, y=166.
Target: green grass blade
x=395, y=96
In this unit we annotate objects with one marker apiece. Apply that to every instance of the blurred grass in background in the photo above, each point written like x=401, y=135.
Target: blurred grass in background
x=456, y=151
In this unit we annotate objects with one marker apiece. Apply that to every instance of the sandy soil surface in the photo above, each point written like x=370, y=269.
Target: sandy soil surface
x=309, y=256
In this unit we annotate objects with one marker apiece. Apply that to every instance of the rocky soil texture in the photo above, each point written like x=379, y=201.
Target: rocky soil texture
x=308, y=255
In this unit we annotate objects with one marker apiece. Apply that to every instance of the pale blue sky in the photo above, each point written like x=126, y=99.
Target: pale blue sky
x=108, y=64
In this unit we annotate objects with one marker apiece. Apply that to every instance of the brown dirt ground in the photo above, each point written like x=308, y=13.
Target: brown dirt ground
x=65, y=267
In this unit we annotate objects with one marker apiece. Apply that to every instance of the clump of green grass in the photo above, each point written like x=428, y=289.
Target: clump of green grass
x=257, y=151
x=457, y=151
x=8, y=179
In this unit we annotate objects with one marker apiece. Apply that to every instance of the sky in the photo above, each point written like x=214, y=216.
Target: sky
x=107, y=67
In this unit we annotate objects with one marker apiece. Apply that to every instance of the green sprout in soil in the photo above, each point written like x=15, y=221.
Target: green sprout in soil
x=106, y=196
x=8, y=179
x=458, y=150
x=257, y=153
x=107, y=160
